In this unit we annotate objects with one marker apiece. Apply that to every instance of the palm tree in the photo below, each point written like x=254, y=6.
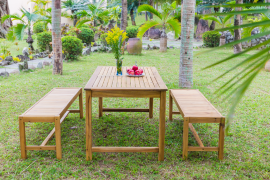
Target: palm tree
x=40, y=6
x=26, y=21
x=94, y=13
x=187, y=36
x=74, y=6
x=165, y=20
x=237, y=32
x=250, y=67
x=56, y=37
x=123, y=25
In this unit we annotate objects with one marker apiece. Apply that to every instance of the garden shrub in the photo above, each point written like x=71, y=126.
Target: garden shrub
x=211, y=38
x=44, y=39
x=132, y=31
x=86, y=35
x=38, y=27
x=72, y=47
x=84, y=26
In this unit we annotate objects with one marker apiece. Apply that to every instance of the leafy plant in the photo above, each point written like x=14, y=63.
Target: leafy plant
x=86, y=35
x=103, y=39
x=43, y=40
x=132, y=31
x=211, y=38
x=72, y=47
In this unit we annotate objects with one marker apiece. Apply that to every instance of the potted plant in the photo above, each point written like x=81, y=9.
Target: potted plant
x=115, y=40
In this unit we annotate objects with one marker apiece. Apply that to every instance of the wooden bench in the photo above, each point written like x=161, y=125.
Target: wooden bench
x=53, y=107
x=195, y=108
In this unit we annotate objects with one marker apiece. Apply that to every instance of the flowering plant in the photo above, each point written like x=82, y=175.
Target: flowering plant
x=115, y=39
x=16, y=59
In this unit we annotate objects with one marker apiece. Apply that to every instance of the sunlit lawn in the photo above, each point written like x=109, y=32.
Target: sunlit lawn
x=247, y=154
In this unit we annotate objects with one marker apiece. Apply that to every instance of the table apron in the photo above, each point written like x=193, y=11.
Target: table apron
x=131, y=94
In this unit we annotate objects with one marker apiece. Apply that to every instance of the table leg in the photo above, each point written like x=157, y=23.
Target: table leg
x=162, y=113
x=100, y=107
x=170, y=106
x=151, y=103
x=88, y=120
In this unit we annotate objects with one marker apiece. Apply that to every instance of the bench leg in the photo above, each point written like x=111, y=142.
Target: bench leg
x=58, y=138
x=221, y=139
x=100, y=99
x=185, y=138
x=170, y=106
x=81, y=104
x=22, y=138
x=151, y=104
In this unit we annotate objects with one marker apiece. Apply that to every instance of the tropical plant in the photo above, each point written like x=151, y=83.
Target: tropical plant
x=74, y=6
x=165, y=20
x=95, y=14
x=221, y=20
x=16, y=59
x=25, y=21
x=235, y=88
x=115, y=12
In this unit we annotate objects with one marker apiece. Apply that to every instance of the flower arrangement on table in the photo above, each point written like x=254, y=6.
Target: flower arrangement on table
x=115, y=40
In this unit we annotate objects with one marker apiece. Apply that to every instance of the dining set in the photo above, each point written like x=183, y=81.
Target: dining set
x=54, y=107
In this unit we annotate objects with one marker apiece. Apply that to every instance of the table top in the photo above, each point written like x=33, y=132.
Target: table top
x=193, y=103
x=105, y=78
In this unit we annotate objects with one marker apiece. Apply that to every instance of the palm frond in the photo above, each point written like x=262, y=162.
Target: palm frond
x=147, y=25
x=19, y=31
x=13, y=17
x=226, y=18
x=148, y=8
x=175, y=25
x=212, y=18
x=83, y=21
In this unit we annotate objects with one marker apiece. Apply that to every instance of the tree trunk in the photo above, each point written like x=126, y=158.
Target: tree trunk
x=123, y=25
x=30, y=40
x=132, y=17
x=4, y=10
x=237, y=32
x=56, y=37
x=75, y=20
x=187, y=36
x=213, y=25
x=151, y=2
x=157, y=6
x=163, y=41
x=146, y=17
x=201, y=28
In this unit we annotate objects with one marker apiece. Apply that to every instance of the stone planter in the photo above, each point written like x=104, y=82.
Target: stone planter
x=134, y=46
x=267, y=66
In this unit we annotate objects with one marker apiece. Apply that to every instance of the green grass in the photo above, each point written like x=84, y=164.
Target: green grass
x=247, y=153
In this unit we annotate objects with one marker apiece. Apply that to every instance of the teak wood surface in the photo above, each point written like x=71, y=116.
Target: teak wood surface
x=53, y=107
x=195, y=108
x=105, y=83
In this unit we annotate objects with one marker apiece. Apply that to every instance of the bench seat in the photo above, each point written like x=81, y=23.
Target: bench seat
x=195, y=108
x=53, y=107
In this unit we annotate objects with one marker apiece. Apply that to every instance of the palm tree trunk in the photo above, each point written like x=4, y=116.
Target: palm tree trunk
x=146, y=17
x=123, y=25
x=187, y=36
x=75, y=20
x=56, y=37
x=132, y=17
x=237, y=32
x=163, y=41
x=151, y=2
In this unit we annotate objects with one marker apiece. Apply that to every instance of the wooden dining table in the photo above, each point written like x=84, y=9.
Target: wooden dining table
x=104, y=83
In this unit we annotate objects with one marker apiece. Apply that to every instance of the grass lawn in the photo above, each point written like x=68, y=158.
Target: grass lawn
x=247, y=153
